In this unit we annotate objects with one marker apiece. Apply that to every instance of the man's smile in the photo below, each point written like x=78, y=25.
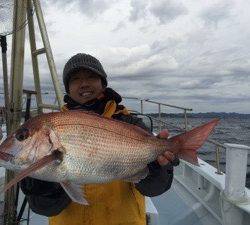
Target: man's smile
x=86, y=94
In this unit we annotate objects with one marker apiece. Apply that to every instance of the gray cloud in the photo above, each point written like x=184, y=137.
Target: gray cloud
x=216, y=13
x=216, y=98
x=136, y=61
x=93, y=7
x=167, y=10
x=138, y=9
x=169, y=45
x=146, y=66
x=200, y=84
x=164, y=10
x=119, y=26
x=240, y=69
x=240, y=74
x=90, y=8
x=204, y=65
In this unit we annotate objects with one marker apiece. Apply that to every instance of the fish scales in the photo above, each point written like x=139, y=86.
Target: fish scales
x=95, y=145
x=99, y=122
x=76, y=147
x=91, y=141
x=103, y=158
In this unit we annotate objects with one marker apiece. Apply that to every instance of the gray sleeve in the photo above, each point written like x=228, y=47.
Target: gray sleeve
x=48, y=205
x=160, y=178
x=45, y=198
x=157, y=182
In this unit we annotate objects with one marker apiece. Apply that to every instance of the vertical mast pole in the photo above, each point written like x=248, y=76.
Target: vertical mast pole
x=16, y=90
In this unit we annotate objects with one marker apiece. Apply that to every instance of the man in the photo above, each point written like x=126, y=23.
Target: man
x=114, y=203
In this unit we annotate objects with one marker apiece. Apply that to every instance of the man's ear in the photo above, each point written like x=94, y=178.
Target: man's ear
x=103, y=84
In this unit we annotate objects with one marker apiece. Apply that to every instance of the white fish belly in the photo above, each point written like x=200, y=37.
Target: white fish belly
x=93, y=158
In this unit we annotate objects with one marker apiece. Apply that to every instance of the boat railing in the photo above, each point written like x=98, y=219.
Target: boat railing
x=162, y=123
x=156, y=120
x=231, y=185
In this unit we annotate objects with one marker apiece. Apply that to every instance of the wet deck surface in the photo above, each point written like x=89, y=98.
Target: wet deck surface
x=173, y=211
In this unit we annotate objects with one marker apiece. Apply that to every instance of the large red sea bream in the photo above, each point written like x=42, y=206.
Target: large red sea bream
x=76, y=148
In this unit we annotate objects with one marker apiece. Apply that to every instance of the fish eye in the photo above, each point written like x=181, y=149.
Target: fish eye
x=22, y=134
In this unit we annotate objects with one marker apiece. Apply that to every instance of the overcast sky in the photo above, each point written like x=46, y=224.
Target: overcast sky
x=189, y=53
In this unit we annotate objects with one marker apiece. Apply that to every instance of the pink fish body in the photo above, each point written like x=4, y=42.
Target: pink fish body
x=88, y=148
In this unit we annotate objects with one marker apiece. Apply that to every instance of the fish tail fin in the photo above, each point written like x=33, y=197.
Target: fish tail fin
x=189, y=142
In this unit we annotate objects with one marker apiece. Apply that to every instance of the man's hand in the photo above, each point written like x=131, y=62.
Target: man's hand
x=166, y=157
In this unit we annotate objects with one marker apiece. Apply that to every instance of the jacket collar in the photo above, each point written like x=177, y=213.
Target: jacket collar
x=96, y=105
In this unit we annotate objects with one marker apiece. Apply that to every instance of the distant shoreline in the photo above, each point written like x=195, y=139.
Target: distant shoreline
x=204, y=115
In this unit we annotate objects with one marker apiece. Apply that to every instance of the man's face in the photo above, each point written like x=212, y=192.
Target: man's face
x=85, y=86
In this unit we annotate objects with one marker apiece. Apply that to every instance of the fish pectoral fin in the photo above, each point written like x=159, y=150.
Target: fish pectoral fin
x=136, y=178
x=32, y=168
x=75, y=192
x=54, y=140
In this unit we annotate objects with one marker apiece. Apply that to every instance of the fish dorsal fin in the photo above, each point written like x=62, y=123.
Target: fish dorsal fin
x=75, y=192
x=91, y=119
x=32, y=168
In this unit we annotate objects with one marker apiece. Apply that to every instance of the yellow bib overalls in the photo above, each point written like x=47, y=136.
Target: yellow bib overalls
x=115, y=203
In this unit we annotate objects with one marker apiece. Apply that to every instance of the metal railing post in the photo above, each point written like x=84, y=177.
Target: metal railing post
x=217, y=160
x=185, y=116
x=159, y=116
x=235, y=191
x=141, y=106
x=236, y=169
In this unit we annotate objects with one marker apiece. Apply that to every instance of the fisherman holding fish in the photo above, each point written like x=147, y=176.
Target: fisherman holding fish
x=117, y=202
x=93, y=163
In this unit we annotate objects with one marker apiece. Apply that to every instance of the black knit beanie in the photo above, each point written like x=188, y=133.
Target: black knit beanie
x=82, y=61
